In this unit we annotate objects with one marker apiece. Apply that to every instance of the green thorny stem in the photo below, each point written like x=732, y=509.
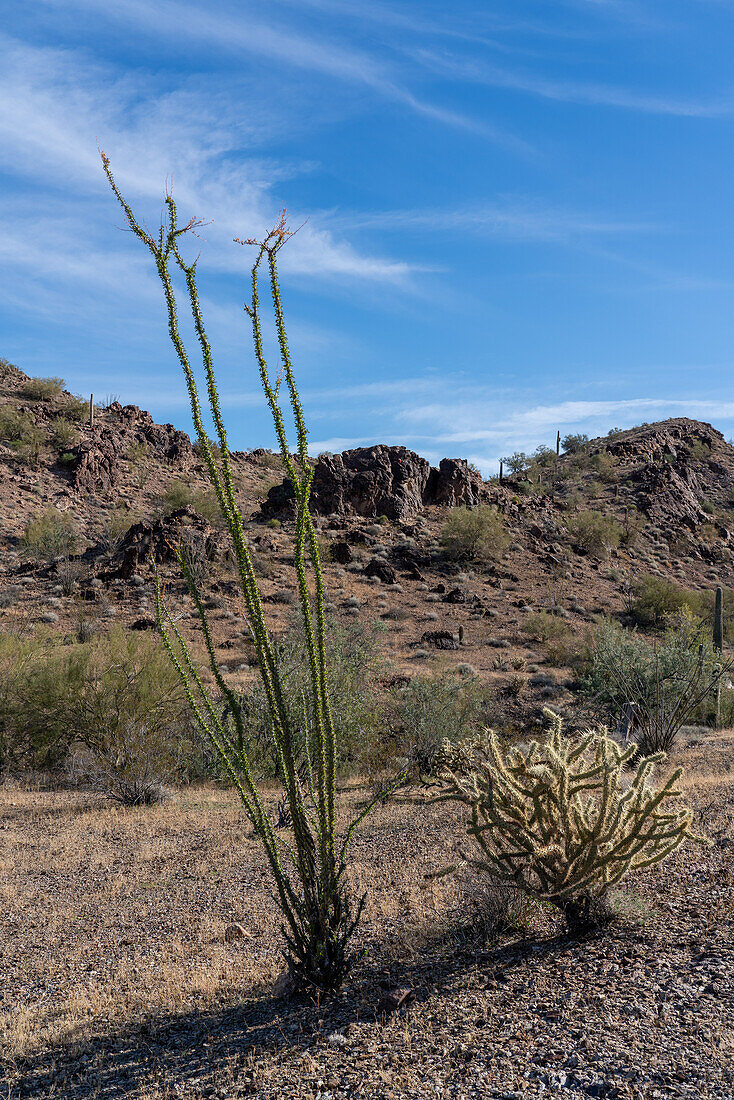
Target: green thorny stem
x=318, y=919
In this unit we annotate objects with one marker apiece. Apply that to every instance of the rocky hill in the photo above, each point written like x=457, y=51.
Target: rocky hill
x=579, y=529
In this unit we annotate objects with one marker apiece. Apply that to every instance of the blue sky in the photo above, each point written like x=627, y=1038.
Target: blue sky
x=520, y=214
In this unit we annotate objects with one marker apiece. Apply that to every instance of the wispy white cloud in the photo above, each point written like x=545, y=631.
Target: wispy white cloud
x=55, y=104
x=575, y=91
x=238, y=32
x=514, y=220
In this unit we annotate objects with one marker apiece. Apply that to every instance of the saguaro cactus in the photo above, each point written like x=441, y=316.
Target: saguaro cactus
x=719, y=643
x=719, y=619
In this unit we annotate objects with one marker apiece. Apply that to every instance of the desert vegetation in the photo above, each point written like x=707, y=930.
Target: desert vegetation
x=388, y=792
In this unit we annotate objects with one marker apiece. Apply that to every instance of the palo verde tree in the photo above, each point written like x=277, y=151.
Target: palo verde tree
x=319, y=918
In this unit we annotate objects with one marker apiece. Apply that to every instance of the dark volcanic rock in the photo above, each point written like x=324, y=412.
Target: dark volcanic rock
x=380, y=481
x=341, y=553
x=381, y=569
x=455, y=484
x=100, y=459
x=670, y=495
x=442, y=639
x=159, y=540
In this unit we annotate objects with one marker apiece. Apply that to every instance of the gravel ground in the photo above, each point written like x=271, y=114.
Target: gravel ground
x=128, y=988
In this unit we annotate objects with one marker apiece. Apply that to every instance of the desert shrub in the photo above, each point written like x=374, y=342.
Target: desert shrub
x=50, y=535
x=574, y=442
x=654, y=599
x=15, y=426
x=557, y=821
x=179, y=494
x=562, y=647
x=115, y=526
x=63, y=433
x=492, y=907
x=354, y=662
x=426, y=712
x=194, y=552
x=20, y=432
x=594, y=533
x=516, y=463
x=543, y=456
x=544, y=626
x=474, y=534
x=42, y=389
x=604, y=466
x=99, y=696
x=128, y=766
x=699, y=451
x=76, y=408
x=668, y=681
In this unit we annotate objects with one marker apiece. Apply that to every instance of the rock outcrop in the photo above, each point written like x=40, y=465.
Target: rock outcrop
x=100, y=456
x=381, y=481
x=158, y=541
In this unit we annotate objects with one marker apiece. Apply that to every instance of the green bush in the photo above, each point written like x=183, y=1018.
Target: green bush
x=474, y=534
x=76, y=408
x=14, y=426
x=354, y=662
x=426, y=712
x=63, y=433
x=668, y=681
x=594, y=533
x=42, y=389
x=100, y=695
x=49, y=536
x=573, y=443
x=19, y=431
x=655, y=598
x=562, y=647
x=179, y=494
x=516, y=463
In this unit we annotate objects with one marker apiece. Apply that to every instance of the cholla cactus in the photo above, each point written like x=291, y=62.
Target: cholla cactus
x=557, y=820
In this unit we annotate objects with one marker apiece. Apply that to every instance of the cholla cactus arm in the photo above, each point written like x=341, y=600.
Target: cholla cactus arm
x=557, y=821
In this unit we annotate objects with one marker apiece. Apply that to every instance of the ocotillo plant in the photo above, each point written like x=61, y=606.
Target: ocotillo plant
x=309, y=875
x=557, y=821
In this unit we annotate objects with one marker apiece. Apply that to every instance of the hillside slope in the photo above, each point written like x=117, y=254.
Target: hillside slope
x=669, y=488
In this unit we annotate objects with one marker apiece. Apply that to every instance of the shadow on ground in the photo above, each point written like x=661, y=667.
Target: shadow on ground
x=183, y=1052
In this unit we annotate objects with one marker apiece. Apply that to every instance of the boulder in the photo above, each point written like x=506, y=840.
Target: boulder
x=158, y=541
x=382, y=569
x=380, y=481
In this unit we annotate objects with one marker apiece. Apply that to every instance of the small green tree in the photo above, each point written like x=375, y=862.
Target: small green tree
x=594, y=533
x=557, y=820
x=474, y=534
x=574, y=442
x=666, y=681
x=310, y=874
